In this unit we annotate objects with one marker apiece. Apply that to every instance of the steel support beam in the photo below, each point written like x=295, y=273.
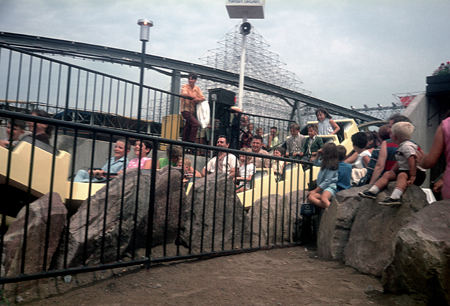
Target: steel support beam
x=69, y=48
x=175, y=89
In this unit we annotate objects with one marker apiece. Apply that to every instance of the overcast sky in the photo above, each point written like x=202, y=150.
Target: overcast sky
x=350, y=52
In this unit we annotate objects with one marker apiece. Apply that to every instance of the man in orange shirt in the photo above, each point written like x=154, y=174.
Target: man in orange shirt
x=188, y=107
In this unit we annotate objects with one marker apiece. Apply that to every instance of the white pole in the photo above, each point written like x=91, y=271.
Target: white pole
x=242, y=71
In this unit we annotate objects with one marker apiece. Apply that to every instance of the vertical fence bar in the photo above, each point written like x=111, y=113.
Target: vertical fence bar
x=66, y=109
x=27, y=209
x=38, y=96
x=105, y=211
x=8, y=76
x=19, y=77
x=49, y=84
x=151, y=207
x=122, y=203
x=50, y=202
x=88, y=210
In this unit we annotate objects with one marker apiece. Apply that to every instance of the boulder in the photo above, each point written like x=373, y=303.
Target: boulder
x=370, y=246
x=336, y=223
x=126, y=221
x=292, y=203
x=43, y=236
x=214, y=218
x=271, y=219
x=421, y=261
x=170, y=198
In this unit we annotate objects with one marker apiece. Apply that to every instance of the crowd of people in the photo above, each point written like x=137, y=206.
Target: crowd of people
x=376, y=159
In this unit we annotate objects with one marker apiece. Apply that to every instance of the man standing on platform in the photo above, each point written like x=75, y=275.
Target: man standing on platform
x=188, y=107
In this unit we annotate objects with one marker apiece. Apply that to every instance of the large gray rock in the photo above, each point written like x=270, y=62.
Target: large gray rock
x=336, y=224
x=293, y=201
x=371, y=242
x=126, y=220
x=170, y=199
x=214, y=217
x=421, y=261
x=271, y=219
x=39, y=253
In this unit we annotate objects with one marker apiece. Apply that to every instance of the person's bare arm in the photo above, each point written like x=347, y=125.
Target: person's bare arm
x=351, y=159
x=203, y=172
x=233, y=172
x=430, y=159
x=195, y=172
x=381, y=162
x=438, y=185
x=4, y=143
x=412, y=170
x=148, y=164
x=365, y=160
x=335, y=127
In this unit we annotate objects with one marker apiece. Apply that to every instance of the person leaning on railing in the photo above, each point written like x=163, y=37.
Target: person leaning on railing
x=187, y=107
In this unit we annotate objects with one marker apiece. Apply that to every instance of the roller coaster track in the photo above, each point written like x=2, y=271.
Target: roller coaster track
x=53, y=46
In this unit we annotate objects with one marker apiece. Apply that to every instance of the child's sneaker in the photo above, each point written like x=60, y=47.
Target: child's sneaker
x=390, y=201
x=367, y=194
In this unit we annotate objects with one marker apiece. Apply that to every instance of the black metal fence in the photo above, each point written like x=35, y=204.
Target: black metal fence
x=53, y=225
x=77, y=94
x=138, y=217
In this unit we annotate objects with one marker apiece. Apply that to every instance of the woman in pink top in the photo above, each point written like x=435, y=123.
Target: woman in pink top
x=441, y=143
x=141, y=149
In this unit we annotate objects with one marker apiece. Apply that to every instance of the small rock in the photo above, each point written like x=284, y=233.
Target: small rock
x=19, y=299
x=67, y=279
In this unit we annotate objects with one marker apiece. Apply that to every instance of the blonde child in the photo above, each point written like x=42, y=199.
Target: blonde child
x=188, y=169
x=327, y=126
x=246, y=171
x=327, y=177
x=405, y=171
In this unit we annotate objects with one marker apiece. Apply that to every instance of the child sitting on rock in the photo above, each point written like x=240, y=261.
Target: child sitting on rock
x=327, y=177
x=406, y=171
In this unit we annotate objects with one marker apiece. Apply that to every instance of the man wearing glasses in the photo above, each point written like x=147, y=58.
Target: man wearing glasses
x=187, y=107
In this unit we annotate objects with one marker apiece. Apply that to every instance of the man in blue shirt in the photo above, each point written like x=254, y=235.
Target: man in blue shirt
x=114, y=165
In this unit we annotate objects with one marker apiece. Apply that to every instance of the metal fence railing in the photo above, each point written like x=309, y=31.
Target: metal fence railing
x=77, y=94
x=137, y=217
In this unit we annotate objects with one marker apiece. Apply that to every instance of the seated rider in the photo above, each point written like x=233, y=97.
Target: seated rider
x=17, y=130
x=114, y=165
